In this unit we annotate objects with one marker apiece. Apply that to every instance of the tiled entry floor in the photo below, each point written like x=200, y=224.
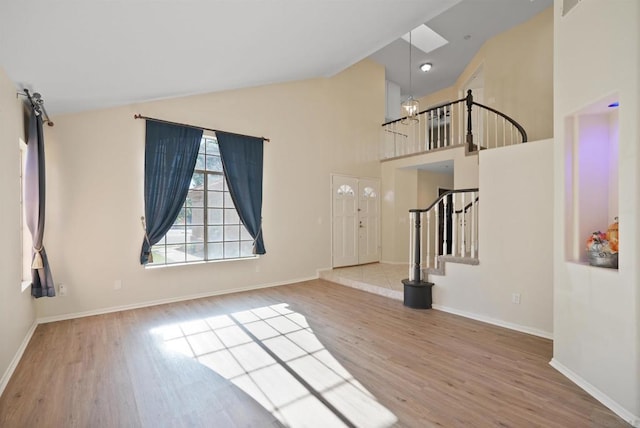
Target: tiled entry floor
x=378, y=278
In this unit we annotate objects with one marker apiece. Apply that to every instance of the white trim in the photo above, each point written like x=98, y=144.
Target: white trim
x=616, y=408
x=499, y=323
x=17, y=357
x=111, y=309
x=395, y=263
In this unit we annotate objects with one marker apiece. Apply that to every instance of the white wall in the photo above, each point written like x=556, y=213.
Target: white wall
x=515, y=244
x=17, y=313
x=596, y=311
x=316, y=127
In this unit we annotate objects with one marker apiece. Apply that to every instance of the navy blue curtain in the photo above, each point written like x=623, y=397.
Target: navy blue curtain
x=170, y=157
x=242, y=161
x=34, y=204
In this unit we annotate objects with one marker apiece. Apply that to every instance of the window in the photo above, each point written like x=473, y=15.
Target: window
x=208, y=226
x=26, y=241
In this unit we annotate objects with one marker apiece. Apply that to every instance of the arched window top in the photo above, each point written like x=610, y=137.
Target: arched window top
x=368, y=192
x=345, y=189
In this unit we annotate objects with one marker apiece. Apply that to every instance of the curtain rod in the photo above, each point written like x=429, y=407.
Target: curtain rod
x=37, y=103
x=139, y=116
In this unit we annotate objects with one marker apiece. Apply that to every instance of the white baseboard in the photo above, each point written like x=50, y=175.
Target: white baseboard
x=148, y=303
x=616, y=408
x=499, y=323
x=16, y=358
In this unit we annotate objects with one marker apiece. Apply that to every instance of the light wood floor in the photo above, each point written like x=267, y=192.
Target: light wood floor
x=307, y=354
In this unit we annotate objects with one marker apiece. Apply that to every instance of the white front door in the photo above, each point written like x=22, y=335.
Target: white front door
x=368, y=221
x=355, y=220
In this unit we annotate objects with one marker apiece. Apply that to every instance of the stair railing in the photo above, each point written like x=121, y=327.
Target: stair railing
x=455, y=123
x=447, y=227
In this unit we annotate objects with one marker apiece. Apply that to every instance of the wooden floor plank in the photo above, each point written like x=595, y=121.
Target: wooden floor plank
x=383, y=364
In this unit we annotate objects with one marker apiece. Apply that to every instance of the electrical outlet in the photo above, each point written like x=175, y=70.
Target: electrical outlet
x=117, y=284
x=515, y=298
x=62, y=290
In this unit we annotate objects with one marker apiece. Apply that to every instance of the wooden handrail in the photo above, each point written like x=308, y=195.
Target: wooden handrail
x=428, y=110
x=511, y=121
x=447, y=193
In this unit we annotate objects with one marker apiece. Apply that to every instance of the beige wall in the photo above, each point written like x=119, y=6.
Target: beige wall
x=596, y=310
x=316, y=127
x=17, y=313
x=428, y=184
x=518, y=75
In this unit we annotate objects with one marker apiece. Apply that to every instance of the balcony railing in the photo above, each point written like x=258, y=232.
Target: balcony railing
x=452, y=124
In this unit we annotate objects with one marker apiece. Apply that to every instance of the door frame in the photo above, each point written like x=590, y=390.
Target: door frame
x=378, y=225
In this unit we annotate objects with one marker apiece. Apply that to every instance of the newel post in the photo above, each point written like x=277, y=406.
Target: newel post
x=417, y=293
x=469, y=124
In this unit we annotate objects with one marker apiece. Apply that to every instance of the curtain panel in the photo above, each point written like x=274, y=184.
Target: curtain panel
x=34, y=206
x=242, y=160
x=171, y=152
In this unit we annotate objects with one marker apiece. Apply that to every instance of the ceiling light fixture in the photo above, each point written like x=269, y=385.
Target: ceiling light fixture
x=410, y=106
x=426, y=66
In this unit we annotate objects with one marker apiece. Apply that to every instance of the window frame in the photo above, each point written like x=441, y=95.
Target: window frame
x=26, y=241
x=243, y=236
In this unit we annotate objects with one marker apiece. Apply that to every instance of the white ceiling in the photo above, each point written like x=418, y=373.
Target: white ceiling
x=88, y=54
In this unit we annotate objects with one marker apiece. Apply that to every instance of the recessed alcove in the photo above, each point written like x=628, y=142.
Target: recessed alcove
x=591, y=178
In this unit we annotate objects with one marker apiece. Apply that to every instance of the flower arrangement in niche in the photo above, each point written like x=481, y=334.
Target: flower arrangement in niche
x=602, y=248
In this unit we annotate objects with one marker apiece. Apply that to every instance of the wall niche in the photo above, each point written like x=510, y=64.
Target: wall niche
x=591, y=182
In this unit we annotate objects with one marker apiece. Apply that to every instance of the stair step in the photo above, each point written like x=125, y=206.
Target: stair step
x=442, y=260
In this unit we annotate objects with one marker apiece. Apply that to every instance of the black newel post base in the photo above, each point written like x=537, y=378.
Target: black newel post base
x=417, y=294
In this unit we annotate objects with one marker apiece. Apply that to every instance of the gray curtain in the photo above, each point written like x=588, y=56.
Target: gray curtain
x=34, y=205
x=242, y=159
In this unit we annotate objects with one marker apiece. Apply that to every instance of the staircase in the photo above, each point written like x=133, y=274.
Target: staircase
x=447, y=230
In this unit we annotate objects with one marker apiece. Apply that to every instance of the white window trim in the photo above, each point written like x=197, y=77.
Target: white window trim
x=25, y=283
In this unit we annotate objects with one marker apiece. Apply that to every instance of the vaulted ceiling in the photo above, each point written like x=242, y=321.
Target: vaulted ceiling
x=88, y=54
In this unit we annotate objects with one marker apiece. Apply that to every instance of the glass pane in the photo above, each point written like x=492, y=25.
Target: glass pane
x=212, y=147
x=195, y=216
x=214, y=199
x=231, y=250
x=231, y=216
x=231, y=233
x=214, y=251
x=195, y=252
x=214, y=234
x=175, y=235
x=161, y=242
x=228, y=202
x=246, y=248
x=158, y=254
x=195, y=198
x=176, y=254
x=244, y=234
x=214, y=163
x=180, y=219
x=226, y=186
x=202, y=146
x=215, y=181
x=195, y=234
x=197, y=181
x=200, y=163
x=215, y=216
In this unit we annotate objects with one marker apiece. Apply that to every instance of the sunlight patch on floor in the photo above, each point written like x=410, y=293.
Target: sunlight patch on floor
x=273, y=355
